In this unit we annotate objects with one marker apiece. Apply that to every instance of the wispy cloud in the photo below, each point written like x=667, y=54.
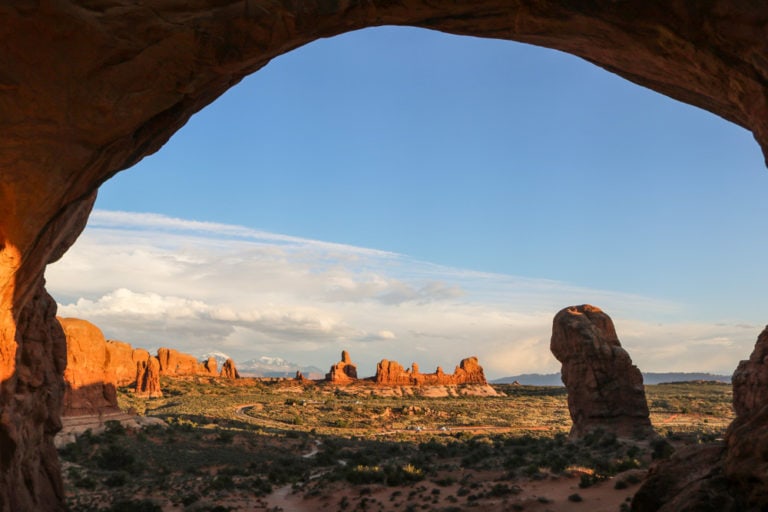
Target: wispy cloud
x=159, y=281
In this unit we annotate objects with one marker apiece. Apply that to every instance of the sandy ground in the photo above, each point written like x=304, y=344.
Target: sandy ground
x=546, y=495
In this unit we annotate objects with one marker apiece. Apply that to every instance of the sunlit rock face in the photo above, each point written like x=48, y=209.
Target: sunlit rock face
x=91, y=381
x=89, y=88
x=148, y=378
x=392, y=373
x=605, y=390
x=229, y=370
x=343, y=372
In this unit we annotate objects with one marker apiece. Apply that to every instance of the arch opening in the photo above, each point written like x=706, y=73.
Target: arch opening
x=62, y=145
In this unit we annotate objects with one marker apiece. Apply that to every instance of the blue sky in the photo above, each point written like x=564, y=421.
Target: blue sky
x=459, y=168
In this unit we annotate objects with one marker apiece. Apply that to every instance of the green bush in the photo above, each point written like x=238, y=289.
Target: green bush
x=115, y=457
x=135, y=506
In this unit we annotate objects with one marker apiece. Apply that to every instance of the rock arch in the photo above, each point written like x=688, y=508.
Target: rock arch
x=88, y=88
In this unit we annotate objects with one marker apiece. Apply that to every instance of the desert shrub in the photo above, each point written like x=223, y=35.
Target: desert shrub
x=85, y=482
x=189, y=499
x=225, y=436
x=445, y=481
x=114, y=457
x=365, y=475
x=620, y=484
x=627, y=463
x=587, y=480
x=135, y=506
x=501, y=490
x=222, y=483
x=402, y=475
x=116, y=479
x=661, y=449
x=575, y=497
x=113, y=428
x=557, y=463
x=261, y=487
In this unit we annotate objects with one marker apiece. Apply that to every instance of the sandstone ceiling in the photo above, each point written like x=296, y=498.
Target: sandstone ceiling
x=88, y=88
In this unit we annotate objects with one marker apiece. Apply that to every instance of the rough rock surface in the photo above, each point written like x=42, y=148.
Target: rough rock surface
x=605, y=390
x=228, y=370
x=211, y=366
x=343, y=372
x=148, y=378
x=90, y=383
x=175, y=363
x=746, y=463
x=123, y=359
x=692, y=480
x=392, y=373
x=90, y=88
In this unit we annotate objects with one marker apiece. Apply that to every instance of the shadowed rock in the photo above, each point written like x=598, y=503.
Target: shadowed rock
x=692, y=480
x=746, y=463
x=148, y=378
x=605, y=390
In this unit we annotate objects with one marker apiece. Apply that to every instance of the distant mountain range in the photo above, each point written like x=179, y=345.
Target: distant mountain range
x=553, y=379
x=266, y=366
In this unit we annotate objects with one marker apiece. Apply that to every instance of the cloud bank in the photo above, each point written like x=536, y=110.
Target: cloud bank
x=156, y=281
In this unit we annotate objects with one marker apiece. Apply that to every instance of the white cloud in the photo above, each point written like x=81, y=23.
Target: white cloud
x=154, y=280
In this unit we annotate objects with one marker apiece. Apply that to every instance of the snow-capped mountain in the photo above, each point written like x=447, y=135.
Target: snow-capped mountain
x=267, y=366
x=220, y=357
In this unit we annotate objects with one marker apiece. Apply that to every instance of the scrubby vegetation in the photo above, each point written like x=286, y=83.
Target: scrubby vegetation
x=230, y=444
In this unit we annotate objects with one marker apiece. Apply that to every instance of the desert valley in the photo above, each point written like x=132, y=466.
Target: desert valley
x=167, y=432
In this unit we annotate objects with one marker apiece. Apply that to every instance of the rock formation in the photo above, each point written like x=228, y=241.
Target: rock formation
x=746, y=463
x=343, y=372
x=727, y=478
x=175, y=363
x=123, y=359
x=228, y=370
x=211, y=366
x=90, y=379
x=605, y=390
x=391, y=373
x=134, y=75
x=148, y=378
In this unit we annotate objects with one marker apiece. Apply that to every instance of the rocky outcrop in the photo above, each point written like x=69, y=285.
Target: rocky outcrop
x=90, y=382
x=605, y=390
x=392, y=373
x=211, y=366
x=228, y=370
x=692, y=480
x=135, y=74
x=343, y=372
x=123, y=359
x=746, y=462
x=148, y=378
x=729, y=478
x=175, y=363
